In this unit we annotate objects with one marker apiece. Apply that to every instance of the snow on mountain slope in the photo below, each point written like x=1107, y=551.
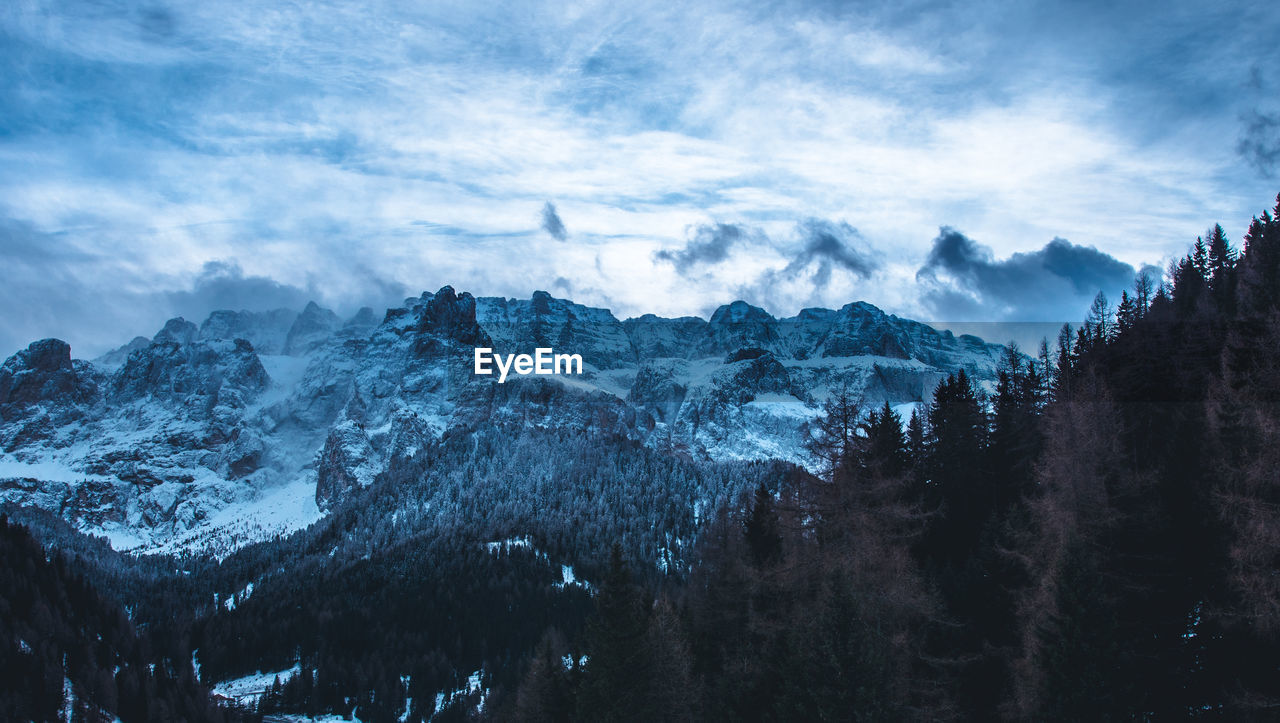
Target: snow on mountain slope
x=247, y=690
x=253, y=423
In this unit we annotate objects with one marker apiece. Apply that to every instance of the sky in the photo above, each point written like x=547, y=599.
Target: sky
x=967, y=162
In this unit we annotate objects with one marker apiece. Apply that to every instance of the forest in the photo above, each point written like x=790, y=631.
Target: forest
x=1096, y=538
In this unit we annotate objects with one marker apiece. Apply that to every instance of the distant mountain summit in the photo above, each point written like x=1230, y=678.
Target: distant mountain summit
x=254, y=423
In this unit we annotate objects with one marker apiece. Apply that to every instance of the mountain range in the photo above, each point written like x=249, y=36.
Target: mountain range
x=251, y=424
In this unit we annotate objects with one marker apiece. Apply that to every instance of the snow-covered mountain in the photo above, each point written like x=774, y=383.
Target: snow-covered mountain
x=254, y=423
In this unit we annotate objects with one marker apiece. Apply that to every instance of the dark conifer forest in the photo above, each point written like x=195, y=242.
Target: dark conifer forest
x=1096, y=538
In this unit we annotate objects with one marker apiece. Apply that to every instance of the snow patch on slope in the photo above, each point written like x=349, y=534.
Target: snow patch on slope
x=278, y=511
x=250, y=688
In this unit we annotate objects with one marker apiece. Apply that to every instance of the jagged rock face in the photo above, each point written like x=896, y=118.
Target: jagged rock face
x=653, y=337
x=657, y=388
x=347, y=462
x=43, y=372
x=740, y=324
x=243, y=454
x=860, y=329
x=451, y=317
x=519, y=326
x=267, y=331
x=163, y=438
x=312, y=328
x=409, y=435
x=359, y=325
x=176, y=331
x=179, y=369
x=731, y=387
x=116, y=358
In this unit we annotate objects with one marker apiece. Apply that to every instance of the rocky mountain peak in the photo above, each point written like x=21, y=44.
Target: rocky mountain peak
x=363, y=319
x=177, y=366
x=43, y=371
x=267, y=330
x=310, y=329
x=452, y=316
x=540, y=302
x=176, y=331
x=862, y=309
x=47, y=356
x=118, y=356
x=739, y=312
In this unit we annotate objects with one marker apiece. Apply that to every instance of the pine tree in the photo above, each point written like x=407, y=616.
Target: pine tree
x=1048, y=375
x=1189, y=277
x=1126, y=313
x=675, y=698
x=1200, y=259
x=547, y=693
x=918, y=456
x=1079, y=649
x=833, y=435
x=617, y=683
x=916, y=438
x=958, y=439
x=1065, y=364
x=1015, y=436
x=761, y=529
x=885, y=446
x=838, y=667
x=1221, y=257
x=1259, y=266
x=1221, y=267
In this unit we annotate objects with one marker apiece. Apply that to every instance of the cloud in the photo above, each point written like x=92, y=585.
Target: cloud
x=552, y=224
x=831, y=244
x=97, y=301
x=51, y=287
x=1260, y=144
x=223, y=285
x=962, y=280
x=815, y=262
x=710, y=244
x=298, y=140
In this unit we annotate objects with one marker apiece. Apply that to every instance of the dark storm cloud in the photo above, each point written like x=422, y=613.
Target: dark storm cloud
x=1260, y=144
x=552, y=224
x=962, y=277
x=831, y=244
x=223, y=285
x=709, y=245
x=818, y=250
